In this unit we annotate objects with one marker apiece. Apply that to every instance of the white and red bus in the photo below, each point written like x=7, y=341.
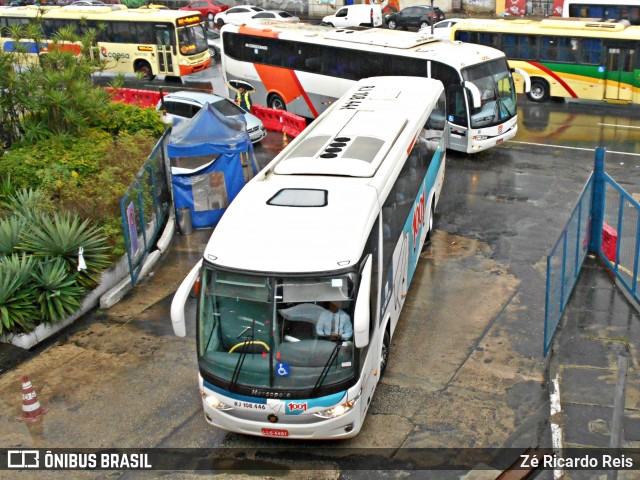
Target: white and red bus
x=305, y=68
x=148, y=42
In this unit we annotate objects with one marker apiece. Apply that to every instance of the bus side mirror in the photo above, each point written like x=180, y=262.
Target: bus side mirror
x=475, y=93
x=179, y=300
x=362, y=314
x=527, y=78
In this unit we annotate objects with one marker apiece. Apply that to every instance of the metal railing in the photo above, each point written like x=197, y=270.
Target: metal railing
x=606, y=221
x=145, y=207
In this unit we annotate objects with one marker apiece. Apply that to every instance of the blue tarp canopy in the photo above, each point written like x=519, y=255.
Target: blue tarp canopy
x=209, y=188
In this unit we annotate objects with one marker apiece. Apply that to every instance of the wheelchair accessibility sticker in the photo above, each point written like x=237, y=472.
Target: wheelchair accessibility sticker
x=283, y=369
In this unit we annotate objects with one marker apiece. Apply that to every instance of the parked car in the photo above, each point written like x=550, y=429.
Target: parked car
x=441, y=29
x=185, y=104
x=416, y=16
x=213, y=41
x=207, y=8
x=355, y=16
x=243, y=12
x=279, y=15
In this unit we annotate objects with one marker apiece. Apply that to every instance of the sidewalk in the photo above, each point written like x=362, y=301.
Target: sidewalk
x=598, y=338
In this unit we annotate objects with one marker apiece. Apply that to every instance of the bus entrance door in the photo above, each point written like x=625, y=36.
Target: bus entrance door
x=619, y=74
x=165, y=40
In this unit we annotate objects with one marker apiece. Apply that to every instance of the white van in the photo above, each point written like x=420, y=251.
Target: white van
x=356, y=16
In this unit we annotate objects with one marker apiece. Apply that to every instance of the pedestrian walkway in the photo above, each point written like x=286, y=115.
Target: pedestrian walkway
x=595, y=402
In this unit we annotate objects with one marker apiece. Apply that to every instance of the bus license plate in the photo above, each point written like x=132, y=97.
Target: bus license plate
x=275, y=432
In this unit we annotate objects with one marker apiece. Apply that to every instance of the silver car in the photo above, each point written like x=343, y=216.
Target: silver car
x=183, y=105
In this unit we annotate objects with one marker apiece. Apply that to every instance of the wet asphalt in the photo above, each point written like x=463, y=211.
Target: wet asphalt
x=466, y=370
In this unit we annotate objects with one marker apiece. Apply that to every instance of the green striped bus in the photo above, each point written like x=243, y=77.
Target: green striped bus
x=569, y=58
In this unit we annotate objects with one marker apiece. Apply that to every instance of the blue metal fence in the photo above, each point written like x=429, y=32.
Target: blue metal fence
x=145, y=207
x=606, y=221
x=565, y=262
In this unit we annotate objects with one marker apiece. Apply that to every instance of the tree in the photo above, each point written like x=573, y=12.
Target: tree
x=50, y=92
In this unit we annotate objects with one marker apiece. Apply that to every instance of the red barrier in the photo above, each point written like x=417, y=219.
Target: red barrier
x=293, y=124
x=279, y=120
x=132, y=96
x=609, y=242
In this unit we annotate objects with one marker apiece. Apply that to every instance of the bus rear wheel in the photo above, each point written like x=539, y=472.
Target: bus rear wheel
x=276, y=101
x=539, y=90
x=143, y=69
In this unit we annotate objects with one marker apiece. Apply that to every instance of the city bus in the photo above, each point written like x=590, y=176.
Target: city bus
x=333, y=225
x=566, y=58
x=304, y=68
x=147, y=42
x=628, y=10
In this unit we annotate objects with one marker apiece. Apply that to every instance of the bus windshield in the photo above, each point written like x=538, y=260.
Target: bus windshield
x=498, y=93
x=270, y=334
x=192, y=39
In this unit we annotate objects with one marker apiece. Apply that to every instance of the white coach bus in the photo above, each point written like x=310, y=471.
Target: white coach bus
x=304, y=68
x=304, y=278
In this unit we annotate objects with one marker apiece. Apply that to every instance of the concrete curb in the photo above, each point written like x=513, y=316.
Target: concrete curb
x=113, y=296
x=114, y=283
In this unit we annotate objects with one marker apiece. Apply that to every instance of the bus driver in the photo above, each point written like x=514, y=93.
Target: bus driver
x=334, y=323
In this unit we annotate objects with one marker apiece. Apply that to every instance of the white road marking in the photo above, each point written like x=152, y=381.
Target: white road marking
x=573, y=148
x=616, y=125
x=556, y=428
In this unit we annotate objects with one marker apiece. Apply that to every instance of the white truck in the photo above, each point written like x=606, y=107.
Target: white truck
x=362, y=15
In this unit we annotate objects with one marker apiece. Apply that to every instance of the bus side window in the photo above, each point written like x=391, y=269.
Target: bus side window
x=590, y=51
x=548, y=48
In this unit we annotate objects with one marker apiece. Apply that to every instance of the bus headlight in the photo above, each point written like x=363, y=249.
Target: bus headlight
x=337, y=411
x=216, y=404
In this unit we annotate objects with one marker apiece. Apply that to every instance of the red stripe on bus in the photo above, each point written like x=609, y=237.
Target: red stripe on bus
x=555, y=77
x=412, y=142
x=258, y=32
x=285, y=83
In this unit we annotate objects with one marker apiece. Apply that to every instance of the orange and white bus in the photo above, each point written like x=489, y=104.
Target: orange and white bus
x=304, y=68
x=148, y=42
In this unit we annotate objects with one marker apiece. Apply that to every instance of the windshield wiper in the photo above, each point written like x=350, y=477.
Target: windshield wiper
x=327, y=367
x=247, y=341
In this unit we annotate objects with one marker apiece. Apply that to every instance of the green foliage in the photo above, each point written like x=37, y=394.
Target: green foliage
x=57, y=294
x=50, y=93
x=26, y=203
x=17, y=310
x=10, y=232
x=62, y=235
x=121, y=118
x=64, y=148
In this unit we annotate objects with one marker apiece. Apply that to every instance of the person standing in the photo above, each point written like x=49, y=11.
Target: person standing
x=243, y=99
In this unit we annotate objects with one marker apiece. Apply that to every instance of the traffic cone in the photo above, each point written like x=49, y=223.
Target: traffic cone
x=31, y=409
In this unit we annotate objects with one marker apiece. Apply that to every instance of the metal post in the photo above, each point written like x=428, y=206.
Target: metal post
x=597, y=202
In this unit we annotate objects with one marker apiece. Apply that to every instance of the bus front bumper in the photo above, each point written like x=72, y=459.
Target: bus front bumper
x=305, y=427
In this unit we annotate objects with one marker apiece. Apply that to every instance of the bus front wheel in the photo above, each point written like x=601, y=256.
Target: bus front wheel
x=143, y=69
x=276, y=101
x=539, y=90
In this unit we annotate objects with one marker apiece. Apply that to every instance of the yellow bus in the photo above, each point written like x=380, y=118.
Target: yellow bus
x=569, y=58
x=148, y=42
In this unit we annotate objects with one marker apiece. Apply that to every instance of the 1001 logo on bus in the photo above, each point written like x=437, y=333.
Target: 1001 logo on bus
x=418, y=218
x=297, y=407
